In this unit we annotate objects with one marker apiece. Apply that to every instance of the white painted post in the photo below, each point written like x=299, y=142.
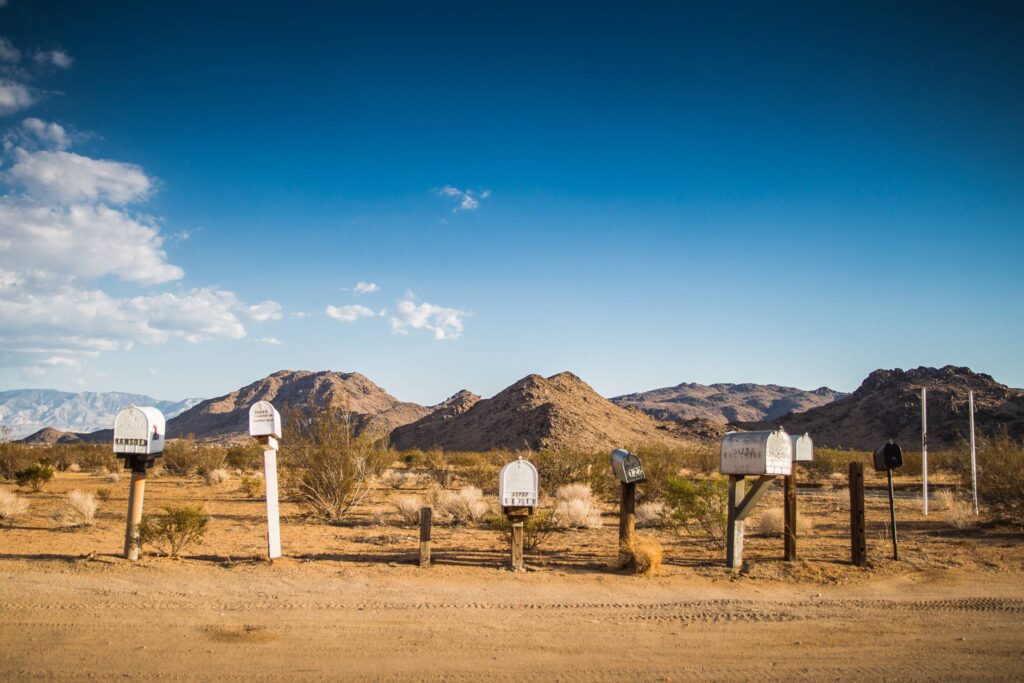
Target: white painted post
x=924, y=448
x=273, y=510
x=974, y=457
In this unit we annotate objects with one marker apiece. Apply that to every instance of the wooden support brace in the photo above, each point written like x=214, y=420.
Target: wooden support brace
x=759, y=488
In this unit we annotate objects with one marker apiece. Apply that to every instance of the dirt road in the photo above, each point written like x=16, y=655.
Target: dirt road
x=100, y=618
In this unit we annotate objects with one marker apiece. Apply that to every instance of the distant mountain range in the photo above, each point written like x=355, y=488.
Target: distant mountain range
x=563, y=411
x=726, y=402
x=26, y=411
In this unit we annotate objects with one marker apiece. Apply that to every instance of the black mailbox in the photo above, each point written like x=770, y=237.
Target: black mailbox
x=888, y=457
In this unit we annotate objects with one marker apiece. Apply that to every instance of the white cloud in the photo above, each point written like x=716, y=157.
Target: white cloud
x=264, y=311
x=8, y=53
x=350, y=313
x=274, y=341
x=47, y=134
x=365, y=288
x=57, y=58
x=298, y=314
x=14, y=96
x=467, y=200
x=445, y=323
x=82, y=240
x=66, y=177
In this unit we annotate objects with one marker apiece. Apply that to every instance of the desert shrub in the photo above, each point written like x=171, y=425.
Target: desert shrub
x=12, y=507
x=77, y=509
x=184, y=457
x=245, y=457
x=250, y=486
x=176, y=529
x=645, y=556
x=1000, y=473
x=558, y=468
x=699, y=508
x=104, y=493
x=663, y=462
x=214, y=477
x=943, y=499
x=650, y=515
x=537, y=528
x=437, y=468
x=772, y=522
x=575, y=507
x=92, y=456
x=34, y=476
x=482, y=476
x=74, y=468
x=458, y=508
x=408, y=509
x=394, y=479
x=113, y=477
x=329, y=469
x=830, y=462
x=15, y=457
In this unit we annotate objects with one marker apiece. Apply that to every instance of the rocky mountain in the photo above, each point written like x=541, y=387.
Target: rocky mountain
x=725, y=403
x=561, y=411
x=26, y=411
x=50, y=436
x=887, y=405
x=371, y=407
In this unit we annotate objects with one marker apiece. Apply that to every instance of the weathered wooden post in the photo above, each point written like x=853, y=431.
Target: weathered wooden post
x=766, y=454
x=858, y=530
x=265, y=425
x=518, y=487
x=628, y=469
x=888, y=458
x=426, y=518
x=803, y=451
x=139, y=440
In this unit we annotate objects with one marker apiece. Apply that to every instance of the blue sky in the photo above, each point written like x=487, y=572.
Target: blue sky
x=643, y=194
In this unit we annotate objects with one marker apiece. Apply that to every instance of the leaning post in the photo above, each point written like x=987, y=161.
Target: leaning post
x=138, y=440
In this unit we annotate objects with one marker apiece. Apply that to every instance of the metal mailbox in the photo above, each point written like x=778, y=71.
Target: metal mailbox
x=803, y=448
x=627, y=466
x=139, y=436
x=518, y=484
x=758, y=453
x=888, y=457
x=264, y=420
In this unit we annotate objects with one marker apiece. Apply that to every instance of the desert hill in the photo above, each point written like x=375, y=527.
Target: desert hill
x=888, y=405
x=372, y=408
x=49, y=436
x=407, y=436
x=561, y=411
x=725, y=403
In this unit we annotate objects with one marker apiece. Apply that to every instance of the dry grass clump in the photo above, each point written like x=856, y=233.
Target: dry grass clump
x=772, y=522
x=575, y=507
x=12, y=507
x=396, y=479
x=214, y=477
x=646, y=554
x=650, y=515
x=104, y=493
x=456, y=508
x=73, y=467
x=943, y=499
x=959, y=514
x=78, y=509
x=408, y=509
x=113, y=477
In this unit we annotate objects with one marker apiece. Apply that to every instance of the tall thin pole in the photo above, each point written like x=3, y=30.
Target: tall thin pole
x=974, y=455
x=892, y=518
x=924, y=448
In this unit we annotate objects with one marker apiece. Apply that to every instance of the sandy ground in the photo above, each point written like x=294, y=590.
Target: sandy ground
x=347, y=601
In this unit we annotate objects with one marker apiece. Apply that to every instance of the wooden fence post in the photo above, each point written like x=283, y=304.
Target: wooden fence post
x=791, y=513
x=517, y=544
x=426, y=515
x=858, y=532
x=627, y=524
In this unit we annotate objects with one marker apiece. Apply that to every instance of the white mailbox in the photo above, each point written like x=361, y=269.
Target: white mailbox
x=803, y=448
x=518, y=484
x=756, y=453
x=264, y=420
x=139, y=431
